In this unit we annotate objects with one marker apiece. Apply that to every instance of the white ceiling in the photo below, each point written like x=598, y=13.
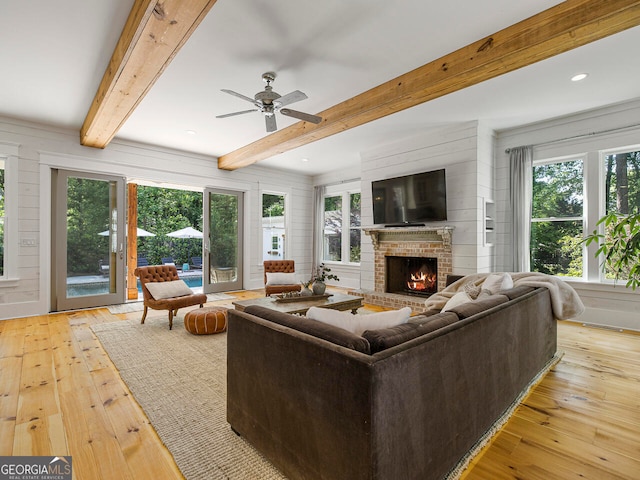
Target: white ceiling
x=54, y=55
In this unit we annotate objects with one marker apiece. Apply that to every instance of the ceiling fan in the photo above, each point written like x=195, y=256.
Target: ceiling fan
x=269, y=103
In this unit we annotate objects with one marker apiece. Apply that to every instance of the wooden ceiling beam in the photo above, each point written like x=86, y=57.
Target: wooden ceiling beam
x=152, y=36
x=566, y=26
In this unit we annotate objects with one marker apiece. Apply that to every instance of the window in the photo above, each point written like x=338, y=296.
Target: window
x=341, y=233
x=621, y=173
x=566, y=204
x=273, y=226
x=332, y=244
x=354, y=228
x=557, y=218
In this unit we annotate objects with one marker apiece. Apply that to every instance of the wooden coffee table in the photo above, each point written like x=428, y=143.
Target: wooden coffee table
x=338, y=301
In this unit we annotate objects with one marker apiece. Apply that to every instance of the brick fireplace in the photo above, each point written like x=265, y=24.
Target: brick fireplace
x=429, y=247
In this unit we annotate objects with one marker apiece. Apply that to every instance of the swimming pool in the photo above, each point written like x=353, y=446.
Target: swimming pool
x=101, y=287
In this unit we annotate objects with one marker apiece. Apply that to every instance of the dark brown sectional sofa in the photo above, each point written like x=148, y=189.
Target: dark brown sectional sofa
x=407, y=402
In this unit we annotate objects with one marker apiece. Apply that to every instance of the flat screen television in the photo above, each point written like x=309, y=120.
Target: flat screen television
x=411, y=199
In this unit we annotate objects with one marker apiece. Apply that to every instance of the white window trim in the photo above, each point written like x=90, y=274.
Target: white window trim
x=9, y=153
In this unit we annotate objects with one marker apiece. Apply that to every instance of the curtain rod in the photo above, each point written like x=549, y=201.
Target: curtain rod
x=338, y=182
x=583, y=135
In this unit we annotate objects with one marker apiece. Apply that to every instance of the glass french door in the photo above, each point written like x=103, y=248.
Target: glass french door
x=223, y=240
x=88, y=240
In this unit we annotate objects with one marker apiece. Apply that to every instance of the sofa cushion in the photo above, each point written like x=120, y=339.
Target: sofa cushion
x=516, y=292
x=469, y=309
x=175, y=288
x=281, y=278
x=497, y=281
x=332, y=334
x=382, y=339
x=358, y=323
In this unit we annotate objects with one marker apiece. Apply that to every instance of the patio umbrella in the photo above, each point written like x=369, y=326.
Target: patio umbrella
x=141, y=233
x=187, y=232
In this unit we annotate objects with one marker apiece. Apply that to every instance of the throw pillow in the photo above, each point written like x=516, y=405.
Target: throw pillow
x=497, y=281
x=332, y=317
x=358, y=323
x=458, y=299
x=174, y=288
x=281, y=278
x=472, y=290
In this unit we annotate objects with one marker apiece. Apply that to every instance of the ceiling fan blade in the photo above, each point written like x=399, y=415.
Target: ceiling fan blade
x=239, y=95
x=270, y=122
x=290, y=98
x=307, y=117
x=236, y=113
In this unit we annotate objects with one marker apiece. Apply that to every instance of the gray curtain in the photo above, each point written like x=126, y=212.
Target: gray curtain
x=318, y=223
x=521, y=174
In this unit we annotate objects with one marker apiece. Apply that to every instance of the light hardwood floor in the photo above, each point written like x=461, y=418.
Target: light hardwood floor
x=61, y=395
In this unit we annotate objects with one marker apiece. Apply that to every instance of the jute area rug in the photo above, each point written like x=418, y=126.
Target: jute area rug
x=179, y=380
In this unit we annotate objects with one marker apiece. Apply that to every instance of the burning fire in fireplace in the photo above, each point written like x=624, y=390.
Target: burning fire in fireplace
x=422, y=282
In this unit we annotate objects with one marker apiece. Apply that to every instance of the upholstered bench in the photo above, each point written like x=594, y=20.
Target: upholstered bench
x=205, y=321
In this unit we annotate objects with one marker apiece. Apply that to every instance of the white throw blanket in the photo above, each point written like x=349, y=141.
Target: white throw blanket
x=565, y=302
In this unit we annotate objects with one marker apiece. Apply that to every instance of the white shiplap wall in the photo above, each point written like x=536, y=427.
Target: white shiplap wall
x=466, y=152
x=41, y=148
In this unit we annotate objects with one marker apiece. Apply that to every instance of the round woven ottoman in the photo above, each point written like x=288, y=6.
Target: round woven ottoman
x=205, y=321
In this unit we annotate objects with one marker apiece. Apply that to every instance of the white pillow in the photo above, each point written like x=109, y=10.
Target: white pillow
x=332, y=317
x=358, y=323
x=281, y=278
x=497, y=281
x=174, y=288
x=463, y=297
x=458, y=299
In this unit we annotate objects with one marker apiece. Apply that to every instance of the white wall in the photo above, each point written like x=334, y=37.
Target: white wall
x=41, y=147
x=466, y=153
x=586, y=133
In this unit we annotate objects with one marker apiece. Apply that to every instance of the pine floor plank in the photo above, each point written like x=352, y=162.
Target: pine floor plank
x=581, y=421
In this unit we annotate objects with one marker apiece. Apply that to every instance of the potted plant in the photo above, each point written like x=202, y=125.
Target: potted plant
x=320, y=276
x=620, y=247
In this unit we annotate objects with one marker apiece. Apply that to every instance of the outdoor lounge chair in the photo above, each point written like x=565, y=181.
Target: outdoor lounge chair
x=143, y=262
x=196, y=263
x=165, y=274
x=168, y=261
x=103, y=265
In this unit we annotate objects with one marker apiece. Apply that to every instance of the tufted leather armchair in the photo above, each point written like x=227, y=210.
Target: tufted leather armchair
x=283, y=266
x=165, y=273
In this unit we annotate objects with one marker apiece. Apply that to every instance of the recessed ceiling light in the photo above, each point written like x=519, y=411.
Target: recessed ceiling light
x=305, y=159
x=190, y=132
x=579, y=76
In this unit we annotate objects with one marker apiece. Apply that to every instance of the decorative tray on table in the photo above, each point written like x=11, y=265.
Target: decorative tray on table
x=283, y=298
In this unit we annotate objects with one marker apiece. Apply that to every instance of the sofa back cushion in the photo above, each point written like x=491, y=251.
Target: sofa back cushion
x=516, y=292
x=358, y=323
x=382, y=339
x=469, y=309
x=321, y=330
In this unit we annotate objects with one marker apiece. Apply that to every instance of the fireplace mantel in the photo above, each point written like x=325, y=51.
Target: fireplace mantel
x=410, y=234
